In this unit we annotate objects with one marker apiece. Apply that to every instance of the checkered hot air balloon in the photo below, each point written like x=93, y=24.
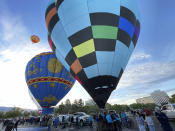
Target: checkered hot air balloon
x=47, y=80
x=94, y=40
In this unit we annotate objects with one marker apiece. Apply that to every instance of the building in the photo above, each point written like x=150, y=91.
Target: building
x=160, y=97
x=145, y=100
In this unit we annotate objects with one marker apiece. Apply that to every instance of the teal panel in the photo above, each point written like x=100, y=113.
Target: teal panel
x=91, y=71
x=77, y=25
x=104, y=61
x=112, y=6
x=60, y=40
x=71, y=10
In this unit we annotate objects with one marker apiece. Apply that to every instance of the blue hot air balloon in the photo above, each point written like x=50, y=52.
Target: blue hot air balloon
x=94, y=40
x=47, y=80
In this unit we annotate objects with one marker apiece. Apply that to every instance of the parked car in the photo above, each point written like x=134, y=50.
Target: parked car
x=83, y=118
x=169, y=110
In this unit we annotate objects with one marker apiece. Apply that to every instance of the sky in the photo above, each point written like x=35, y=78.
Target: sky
x=151, y=67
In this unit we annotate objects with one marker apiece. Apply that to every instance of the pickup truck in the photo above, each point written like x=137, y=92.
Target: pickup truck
x=83, y=118
x=169, y=110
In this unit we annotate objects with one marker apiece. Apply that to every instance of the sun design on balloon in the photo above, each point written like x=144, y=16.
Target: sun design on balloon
x=35, y=86
x=50, y=99
x=32, y=68
x=66, y=87
x=54, y=66
x=52, y=84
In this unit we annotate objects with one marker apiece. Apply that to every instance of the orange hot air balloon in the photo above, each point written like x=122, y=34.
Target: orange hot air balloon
x=35, y=39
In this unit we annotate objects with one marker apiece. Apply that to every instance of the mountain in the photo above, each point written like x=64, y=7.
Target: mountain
x=5, y=109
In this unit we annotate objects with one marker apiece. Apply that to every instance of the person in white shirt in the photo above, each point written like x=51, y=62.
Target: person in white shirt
x=140, y=122
x=149, y=121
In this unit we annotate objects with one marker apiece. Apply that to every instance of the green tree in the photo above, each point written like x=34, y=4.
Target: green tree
x=26, y=113
x=68, y=106
x=1, y=115
x=13, y=114
x=137, y=106
x=34, y=113
x=172, y=99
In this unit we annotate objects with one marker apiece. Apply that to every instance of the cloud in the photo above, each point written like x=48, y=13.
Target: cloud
x=16, y=50
x=147, y=74
x=139, y=56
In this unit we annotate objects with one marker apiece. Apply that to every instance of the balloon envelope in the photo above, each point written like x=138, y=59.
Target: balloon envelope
x=94, y=40
x=47, y=80
x=35, y=39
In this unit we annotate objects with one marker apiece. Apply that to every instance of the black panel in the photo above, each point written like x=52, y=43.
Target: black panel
x=120, y=75
x=58, y=3
x=71, y=57
x=94, y=87
x=50, y=7
x=81, y=36
x=88, y=60
x=124, y=37
x=104, y=44
x=135, y=38
x=104, y=19
x=82, y=76
x=129, y=15
x=52, y=22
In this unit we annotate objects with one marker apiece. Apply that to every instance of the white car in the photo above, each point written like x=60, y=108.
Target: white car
x=169, y=110
x=83, y=118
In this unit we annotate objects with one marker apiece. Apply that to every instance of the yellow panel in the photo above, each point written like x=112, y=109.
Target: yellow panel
x=84, y=48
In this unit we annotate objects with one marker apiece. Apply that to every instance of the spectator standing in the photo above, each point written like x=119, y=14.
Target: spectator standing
x=49, y=124
x=109, y=122
x=16, y=125
x=149, y=122
x=163, y=119
x=90, y=122
x=140, y=122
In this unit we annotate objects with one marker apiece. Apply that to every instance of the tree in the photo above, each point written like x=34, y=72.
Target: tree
x=1, y=115
x=172, y=99
x=68, y=106
x=13, y=114
x=26, y=113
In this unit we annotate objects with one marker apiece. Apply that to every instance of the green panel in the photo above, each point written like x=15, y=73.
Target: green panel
x=105, y=32
x=84, y=48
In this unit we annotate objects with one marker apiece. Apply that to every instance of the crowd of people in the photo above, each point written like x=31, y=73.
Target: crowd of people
x=145, y=121
x=110, y=121
x=105, y=121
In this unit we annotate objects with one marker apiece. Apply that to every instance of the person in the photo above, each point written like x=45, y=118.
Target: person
x=123, y=118
x=49, y=124
x=16, y=124
x=140, y=122
x=55, y=122
x=77, y=124
x=9, y=126
x=90, y=121
x=40, y=121
x=163, y=119
x=119, y=127
x=109, y=122
x=149, y=121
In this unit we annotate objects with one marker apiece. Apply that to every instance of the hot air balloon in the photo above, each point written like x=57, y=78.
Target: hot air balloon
x=94, y=40
x=47, y=80
x=35, y=39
